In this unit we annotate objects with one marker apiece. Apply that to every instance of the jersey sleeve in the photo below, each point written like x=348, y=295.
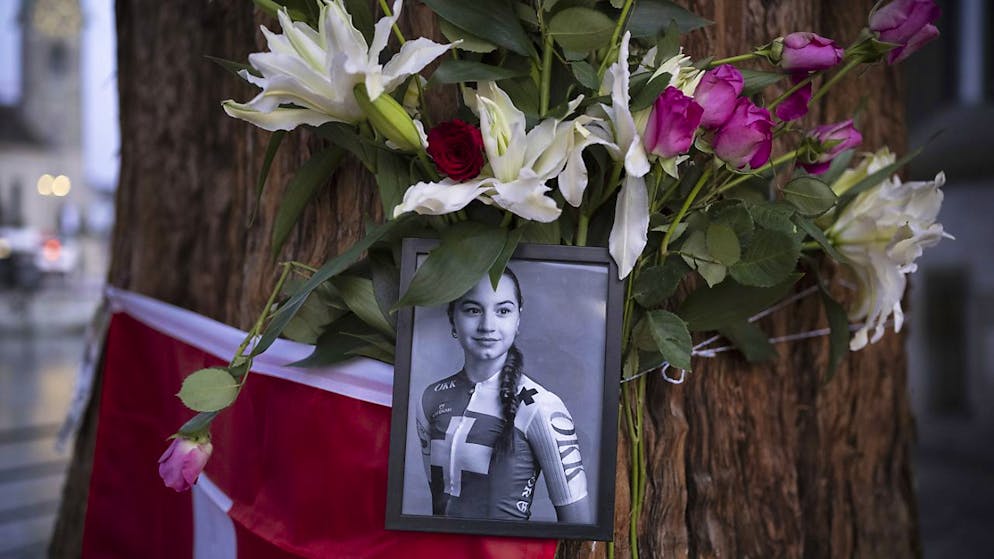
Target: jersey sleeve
x=424, y=431
x=553, y=438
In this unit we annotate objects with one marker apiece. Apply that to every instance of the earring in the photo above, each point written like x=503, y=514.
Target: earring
x=454, y=335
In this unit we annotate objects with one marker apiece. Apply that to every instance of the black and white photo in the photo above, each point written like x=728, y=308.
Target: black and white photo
x=505, y=400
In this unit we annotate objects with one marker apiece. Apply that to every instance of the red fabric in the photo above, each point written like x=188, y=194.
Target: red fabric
x=306, y=469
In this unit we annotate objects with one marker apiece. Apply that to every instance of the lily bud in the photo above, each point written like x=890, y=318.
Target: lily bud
x=389, y=118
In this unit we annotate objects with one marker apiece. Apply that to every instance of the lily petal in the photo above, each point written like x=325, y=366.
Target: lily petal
x=503, y=129
x=631, y=225
x=626, y=135
x=526, y=198
x=411, y=59
x=437, y=198
x=276, y=119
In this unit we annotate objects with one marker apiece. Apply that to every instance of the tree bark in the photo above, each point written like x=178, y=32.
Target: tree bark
x=743, y=461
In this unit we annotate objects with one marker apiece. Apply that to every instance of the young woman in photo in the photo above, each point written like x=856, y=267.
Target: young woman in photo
x=489, y=430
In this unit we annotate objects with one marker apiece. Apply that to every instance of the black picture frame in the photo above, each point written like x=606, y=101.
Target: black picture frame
x=603, y=445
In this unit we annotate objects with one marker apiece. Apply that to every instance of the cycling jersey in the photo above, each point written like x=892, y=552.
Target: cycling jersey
x=459, y=423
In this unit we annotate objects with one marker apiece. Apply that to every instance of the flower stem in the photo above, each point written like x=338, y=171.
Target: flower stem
x=771, y=165
x=783, y=97
x=581, y=230
x=427, y=167
x=733, y=59
x=683, y=209
x=547, y=50
x=834, y=79
x=389, y=13
x=622, y=21
x=508, y=216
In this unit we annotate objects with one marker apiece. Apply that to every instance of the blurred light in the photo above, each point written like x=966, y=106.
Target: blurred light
x=51, y=249
x=4, y=248
x=61, y=185
x=45, y=184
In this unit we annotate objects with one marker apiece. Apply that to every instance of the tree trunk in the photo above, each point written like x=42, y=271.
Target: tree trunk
x=743, y=461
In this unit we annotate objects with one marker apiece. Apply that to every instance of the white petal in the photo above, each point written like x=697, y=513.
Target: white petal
x=636, y=162
x=573, y=179
x=526, y=197
x=381, y=33
x=277, y=119
x=341, y=37
x=413, y=56
x=631, y=225
x=438, y=198
x=503, y=128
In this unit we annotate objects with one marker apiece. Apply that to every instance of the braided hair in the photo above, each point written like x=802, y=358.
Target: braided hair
x=510, y=374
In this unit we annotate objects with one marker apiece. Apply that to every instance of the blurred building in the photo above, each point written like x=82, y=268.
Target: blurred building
x=44, y=190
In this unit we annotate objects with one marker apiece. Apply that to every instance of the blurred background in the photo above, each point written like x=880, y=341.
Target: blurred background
x=58, y=172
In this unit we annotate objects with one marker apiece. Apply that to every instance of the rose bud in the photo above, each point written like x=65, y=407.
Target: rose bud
x=809, y=52
x=672, y=124
x=457, y=149
x=907, y=23
x=717, y=93
x=181, y=463
x=796, y=105
x=829, y=141
x=746, y=138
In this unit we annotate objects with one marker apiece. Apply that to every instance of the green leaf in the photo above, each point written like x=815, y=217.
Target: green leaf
x=755, y=81
x=314, y=316
x=809, y=195
x=672, y=339
x=723, y=244
x=345, y=137
x=468, y=41
x=655, y=284
x=585, y=74
x=386, y=283
x=274, y=146
x=497, y=270
x=373, y=352
x=668, y=45
x=333, y=346
x=695, y=254
x=540, y=233
x=492, y=20
x=651, y=18
x=581, y=29
x=330, y=269
x=769, y=259
x=818, y=235
x=272, y=8
x=359, y=297
x=649, y=92
x=312, y=175
x=750, y=340
x=838, y=338
x=232, y=66
x=717, y=307
x=837, y=166
x=467, y=251
x=775, y=217
x=393, y=178
x=208, y=390
x=733, y=214
x=456, y=71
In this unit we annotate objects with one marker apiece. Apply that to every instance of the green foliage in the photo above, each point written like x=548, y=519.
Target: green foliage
x=492, y=21
x=467, y=41
x=359, y=297
x=838, y=338
x=274, y=146
x=695, y=253
x=645, y=95
x=336, y=342
x=581, y=29
x=455, y=71
x=671, y=337
x=655, y=284
x=651, y=18
x=322, y=307
x=718, y=307
x=585, y=74
x=755, y=81
x=723, y=244
x=770, y=258
x=510, y=245
x=809, y=195
x=467, y=251
x=313, y=174
x=208, y=390
x=750, y=340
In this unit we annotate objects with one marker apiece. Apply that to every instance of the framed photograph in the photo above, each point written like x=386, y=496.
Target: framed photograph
x=505, y=403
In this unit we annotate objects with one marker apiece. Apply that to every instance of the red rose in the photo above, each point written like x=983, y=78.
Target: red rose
x=457, y=149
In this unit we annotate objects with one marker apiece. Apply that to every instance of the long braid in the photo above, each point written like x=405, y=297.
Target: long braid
x=510, y=374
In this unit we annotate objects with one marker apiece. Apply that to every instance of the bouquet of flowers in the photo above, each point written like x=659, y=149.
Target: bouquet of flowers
x=580, y=123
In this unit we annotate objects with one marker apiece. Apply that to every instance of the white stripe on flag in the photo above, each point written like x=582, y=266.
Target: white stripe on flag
x=360, y=378
x=213, y=530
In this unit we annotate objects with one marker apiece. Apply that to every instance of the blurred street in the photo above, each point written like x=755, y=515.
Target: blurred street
x=40, y=348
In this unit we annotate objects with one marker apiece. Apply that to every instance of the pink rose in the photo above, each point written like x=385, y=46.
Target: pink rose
x=746, y=138
x=672, y=123
x=833, y=140
x=796, y=105
x=717, y=93
x=809, y=52
x=907, y=23
x=181, y=463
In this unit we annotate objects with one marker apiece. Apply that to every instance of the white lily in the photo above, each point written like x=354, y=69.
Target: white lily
x=883, y=232
x=520, y=164
x=316, y=71
x=627, y=145
x=631, y=225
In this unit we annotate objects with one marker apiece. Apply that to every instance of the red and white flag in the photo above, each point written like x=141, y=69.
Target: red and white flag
x=300, y=460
